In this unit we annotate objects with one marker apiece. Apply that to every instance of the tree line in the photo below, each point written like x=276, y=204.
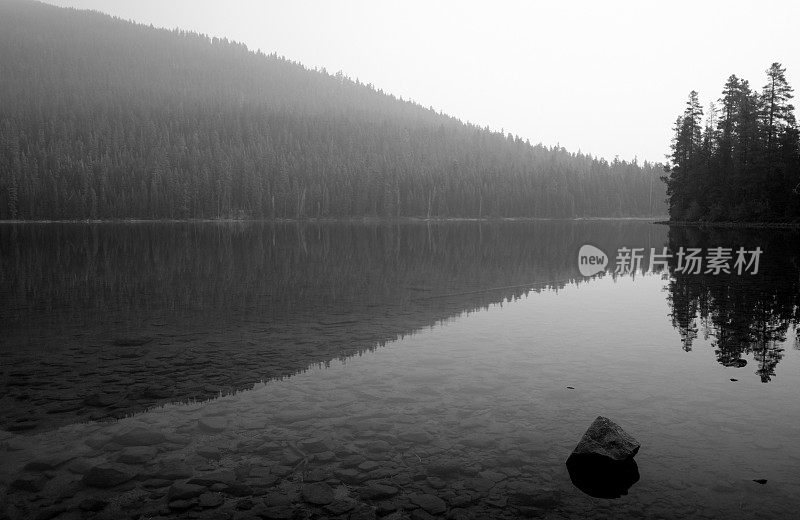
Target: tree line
x=741, y=162
x=103, y=118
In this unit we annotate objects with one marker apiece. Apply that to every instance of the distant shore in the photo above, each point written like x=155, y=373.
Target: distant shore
x=752, y=225
x=332, y=220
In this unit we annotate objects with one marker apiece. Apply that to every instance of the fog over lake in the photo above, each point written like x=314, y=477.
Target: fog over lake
x=399, y=260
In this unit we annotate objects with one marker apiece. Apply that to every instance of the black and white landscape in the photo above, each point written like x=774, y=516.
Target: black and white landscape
x=236, y=285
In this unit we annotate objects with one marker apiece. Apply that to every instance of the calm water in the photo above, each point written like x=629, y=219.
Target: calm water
x=359, y=370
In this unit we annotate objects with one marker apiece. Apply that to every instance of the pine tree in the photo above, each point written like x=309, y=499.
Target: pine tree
x=775, y=110
x=747, y=166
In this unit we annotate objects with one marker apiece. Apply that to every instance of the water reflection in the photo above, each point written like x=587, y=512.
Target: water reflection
x=103, y=320
x=473, y=419
x=749, y=314
x=601, y=478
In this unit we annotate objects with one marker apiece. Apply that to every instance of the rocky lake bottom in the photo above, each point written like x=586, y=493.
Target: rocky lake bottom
x=445, y=391
x=421, y=428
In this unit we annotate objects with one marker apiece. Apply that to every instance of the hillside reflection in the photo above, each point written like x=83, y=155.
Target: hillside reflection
x=103, y=320
x=742, y=315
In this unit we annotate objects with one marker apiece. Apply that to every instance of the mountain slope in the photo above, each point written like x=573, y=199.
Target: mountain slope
x=102, y=118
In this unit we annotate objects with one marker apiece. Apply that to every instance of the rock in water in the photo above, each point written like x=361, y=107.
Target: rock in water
x=602, y=463
x=605, y=438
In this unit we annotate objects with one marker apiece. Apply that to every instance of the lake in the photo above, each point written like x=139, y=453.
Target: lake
x=394, y=370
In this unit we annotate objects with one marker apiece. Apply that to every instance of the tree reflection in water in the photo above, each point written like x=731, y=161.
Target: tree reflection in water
x=742, y=314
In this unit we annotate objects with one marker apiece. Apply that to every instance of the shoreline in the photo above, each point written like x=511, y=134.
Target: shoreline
x=730, y=225
x=328, y=220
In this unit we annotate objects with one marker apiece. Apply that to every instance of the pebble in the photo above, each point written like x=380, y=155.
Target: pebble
x=339, y=507
x=277, y=513
x=244, y=505
x=137, y=455
x=48, y=462
x=236, y=489
x=539, y=499
x=216, y=477
x=430, y=503
x=210, y=453
x=32, y=483
x=180, y=505
x=212, y=424
x=377, y=491
x=446, y=469
x=436, y=482
x=92, y=504
x=421, y=514
x=140, y=437
x=314, y=445
x=209, y=500
x=173, y=470
x=318, y=493
x=107, y=476
x=183, y=491
x=349, y=476
x=273, y=499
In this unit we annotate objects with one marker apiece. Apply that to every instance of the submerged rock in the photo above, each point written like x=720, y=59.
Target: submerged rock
x=209, y=452
x=107, y=476
x=181, y=505
x=137, y=455
x=430, y=503
x=273, y=499
x=378, y=491
x=32, y=483
x=602, y=464
x=184, y=491
x=140, y=437
x=314, y=445
x=93, y=504
x=538, y=498
x=214, y=424
x=216, y=477
x=339, y=507
x=318, y=493
x=210, y=500
x=277, y=513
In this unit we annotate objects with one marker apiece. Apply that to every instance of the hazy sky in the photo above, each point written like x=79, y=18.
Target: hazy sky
x=608, y=78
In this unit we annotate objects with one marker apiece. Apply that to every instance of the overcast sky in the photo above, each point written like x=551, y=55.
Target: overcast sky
x=607, y=78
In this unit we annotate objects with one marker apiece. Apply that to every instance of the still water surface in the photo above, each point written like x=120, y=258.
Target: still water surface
x=353, y=370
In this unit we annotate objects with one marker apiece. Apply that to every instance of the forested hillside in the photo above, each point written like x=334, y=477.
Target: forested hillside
x=742, y=161
x=103, y=118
